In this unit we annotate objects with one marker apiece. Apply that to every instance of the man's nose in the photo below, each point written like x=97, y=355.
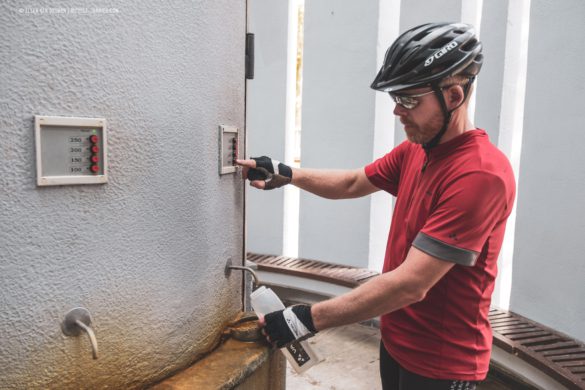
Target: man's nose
x=399, y=110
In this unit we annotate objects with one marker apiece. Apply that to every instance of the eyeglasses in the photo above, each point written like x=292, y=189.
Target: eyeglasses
x=408, y=101
x=411, y=101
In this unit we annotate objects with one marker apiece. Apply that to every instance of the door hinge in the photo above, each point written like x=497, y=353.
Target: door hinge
x=250, y=56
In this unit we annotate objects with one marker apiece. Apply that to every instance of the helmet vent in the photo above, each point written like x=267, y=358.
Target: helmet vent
x=408, y=55
x=469, y=45
x=458, y=32
x=439, y=43
x=420, y=35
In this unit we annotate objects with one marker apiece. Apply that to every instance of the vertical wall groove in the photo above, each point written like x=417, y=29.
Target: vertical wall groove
x=511, y=129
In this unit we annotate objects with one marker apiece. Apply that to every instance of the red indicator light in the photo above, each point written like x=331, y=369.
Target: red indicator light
x=94, y=139
x=95, y=168
x=95, y=159
x=95, y=149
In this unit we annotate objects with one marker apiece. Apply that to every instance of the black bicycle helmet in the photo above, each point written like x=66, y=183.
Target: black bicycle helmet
x=427, y=54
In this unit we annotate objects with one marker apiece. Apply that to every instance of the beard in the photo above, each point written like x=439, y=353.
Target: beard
x=424, y=133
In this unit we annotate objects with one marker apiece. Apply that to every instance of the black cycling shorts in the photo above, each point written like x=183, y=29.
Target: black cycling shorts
x=394, y=377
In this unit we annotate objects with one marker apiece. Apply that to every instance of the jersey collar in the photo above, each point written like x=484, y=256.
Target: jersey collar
x=455, y=143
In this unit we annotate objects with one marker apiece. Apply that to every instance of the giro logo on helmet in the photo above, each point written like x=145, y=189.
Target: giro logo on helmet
x=440, y=53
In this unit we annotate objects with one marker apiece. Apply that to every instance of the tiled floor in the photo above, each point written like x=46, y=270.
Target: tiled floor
x=350, y=362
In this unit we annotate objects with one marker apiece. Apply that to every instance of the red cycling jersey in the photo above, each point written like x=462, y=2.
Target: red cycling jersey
x=455, y=209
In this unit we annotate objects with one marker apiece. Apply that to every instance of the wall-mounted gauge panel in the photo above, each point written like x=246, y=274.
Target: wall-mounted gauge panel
x=71, y=150
x=228, y=149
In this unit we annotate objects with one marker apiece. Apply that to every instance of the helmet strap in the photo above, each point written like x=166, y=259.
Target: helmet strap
x=446, y=113
x=446, y=119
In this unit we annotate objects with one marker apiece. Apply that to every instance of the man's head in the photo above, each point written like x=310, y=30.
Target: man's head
x=421, y=113
x=428, y=72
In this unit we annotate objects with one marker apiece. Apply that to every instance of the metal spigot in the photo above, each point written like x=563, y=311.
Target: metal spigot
x=77, y=320
x=247, y=268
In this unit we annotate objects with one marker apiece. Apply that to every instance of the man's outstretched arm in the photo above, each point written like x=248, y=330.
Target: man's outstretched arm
x=334, y=184
x=330, y=184
x=407, y=284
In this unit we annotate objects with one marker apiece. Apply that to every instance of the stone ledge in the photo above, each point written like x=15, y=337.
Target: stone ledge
x=227, y=367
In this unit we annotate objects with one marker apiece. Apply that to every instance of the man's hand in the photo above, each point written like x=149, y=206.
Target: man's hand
x=285, y=326
x=265, y=173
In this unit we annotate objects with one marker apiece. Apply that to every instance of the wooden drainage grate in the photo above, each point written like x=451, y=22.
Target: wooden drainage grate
x=557, y=355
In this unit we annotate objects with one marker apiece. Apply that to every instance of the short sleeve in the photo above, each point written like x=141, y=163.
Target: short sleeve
x=463, y=218
x=384, y=173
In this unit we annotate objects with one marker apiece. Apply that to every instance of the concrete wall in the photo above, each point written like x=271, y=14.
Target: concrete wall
x=266, y=106
x=338, y=123
x=490, y=82
x=146, y=252
x=549, y=270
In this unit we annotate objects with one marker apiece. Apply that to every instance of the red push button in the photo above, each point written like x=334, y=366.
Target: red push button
x=95, y=159
x=94, y=139
x=95, y=168
x=95, y=149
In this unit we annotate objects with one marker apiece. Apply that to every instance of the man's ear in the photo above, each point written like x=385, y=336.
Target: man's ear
x=455, y=96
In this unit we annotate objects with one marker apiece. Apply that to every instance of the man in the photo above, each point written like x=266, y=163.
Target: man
x=454, y=191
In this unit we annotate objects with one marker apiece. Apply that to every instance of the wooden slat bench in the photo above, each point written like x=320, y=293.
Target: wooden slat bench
x=551, y=352
x=558, y=355
x=342, y=275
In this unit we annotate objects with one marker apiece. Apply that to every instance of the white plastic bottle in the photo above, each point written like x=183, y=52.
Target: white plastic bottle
x=300, y=354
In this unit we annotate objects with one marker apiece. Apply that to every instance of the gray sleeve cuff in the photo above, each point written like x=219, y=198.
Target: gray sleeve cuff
x=443, y=251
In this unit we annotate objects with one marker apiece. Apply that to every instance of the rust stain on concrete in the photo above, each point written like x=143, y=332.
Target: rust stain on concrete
x=224, y=368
